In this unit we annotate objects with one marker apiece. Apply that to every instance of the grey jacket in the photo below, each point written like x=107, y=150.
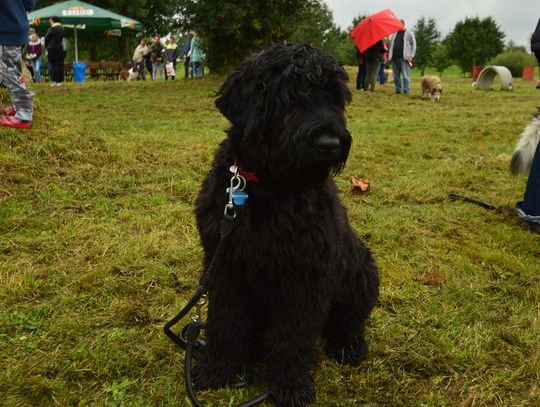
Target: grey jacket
x=409, y=45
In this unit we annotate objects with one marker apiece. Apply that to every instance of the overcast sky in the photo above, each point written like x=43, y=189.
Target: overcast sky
x=516, y=18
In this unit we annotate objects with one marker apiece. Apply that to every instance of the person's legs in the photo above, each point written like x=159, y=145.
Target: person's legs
x=10, y=77
x=360, y=77
x=372, y=68
x=396, y=69
x=60, y=69
x=531, y=200
x=186, y=67
x=406, y=70
x=382, y=76
x=195, y=68
x=50, y=68
x=36, y=65
x=142, y=73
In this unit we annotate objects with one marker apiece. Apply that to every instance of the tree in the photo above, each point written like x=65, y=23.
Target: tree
x=233, y=30
x=474, y=41
x=427, y=35
x=512, y=46
x=315, y=25
x=439, y=58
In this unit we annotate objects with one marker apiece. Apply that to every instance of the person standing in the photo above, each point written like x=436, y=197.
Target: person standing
x=138, y=59
x=535, y=48
x=373, y=56
x=157, y=58
x=196, y=53
x=13, y=35
x=401, y=54
x=54, y=44
x=187, y=59
x=171, y=56
x=33, y=55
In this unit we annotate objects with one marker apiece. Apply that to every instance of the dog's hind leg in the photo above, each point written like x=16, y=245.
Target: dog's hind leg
x=355, y=298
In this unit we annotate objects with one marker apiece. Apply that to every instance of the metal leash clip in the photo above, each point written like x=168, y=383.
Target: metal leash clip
x=237, y=196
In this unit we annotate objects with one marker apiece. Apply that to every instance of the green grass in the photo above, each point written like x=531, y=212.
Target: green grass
x=98, y=247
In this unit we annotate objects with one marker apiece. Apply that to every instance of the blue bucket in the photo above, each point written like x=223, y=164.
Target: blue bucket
x=79, y=72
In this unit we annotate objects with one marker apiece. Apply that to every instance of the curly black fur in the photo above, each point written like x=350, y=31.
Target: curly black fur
x=293, y=270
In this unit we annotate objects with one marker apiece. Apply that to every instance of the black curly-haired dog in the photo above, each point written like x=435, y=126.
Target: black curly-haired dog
x=293, y=270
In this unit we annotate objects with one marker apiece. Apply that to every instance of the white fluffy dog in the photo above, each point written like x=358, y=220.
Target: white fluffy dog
x=526, y=146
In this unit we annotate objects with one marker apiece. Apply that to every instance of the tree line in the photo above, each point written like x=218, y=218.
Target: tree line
x=233, y=30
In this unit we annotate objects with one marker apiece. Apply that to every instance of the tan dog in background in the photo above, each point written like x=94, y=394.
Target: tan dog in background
x=389, y=74
x=432, y=87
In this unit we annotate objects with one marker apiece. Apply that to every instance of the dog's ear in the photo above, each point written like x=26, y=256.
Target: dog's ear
x=241, y=96
x=229, y=100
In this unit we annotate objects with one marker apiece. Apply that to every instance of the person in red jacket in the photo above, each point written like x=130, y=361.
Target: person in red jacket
x=13, y=35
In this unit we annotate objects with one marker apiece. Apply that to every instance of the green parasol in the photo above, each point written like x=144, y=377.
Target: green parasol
x=85, y=19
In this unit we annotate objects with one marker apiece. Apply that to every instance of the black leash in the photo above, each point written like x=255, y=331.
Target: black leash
x=455, y=197
x=188, y=337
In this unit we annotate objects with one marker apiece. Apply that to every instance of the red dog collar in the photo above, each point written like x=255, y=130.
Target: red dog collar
x=249, y=176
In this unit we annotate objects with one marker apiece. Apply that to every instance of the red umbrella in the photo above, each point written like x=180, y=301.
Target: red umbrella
x=374, y=28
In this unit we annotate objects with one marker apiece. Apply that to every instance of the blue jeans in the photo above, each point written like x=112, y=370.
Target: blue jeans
x=157, y=67
x=382, y=76
x=36, y=66
x=529, y=209
x=361, y=76
x=198, y=69
x=401, y=68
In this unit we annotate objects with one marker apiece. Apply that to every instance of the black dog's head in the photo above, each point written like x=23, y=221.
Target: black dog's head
x=286, y=105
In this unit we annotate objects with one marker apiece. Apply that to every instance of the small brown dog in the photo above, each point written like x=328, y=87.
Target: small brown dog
x=432, y=87
x=123, y=75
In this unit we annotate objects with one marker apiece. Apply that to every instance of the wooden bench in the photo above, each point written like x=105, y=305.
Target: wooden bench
x=107, y=70
x=111, y=70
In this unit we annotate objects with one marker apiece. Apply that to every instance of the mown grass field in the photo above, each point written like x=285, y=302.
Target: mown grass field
x=98, y=247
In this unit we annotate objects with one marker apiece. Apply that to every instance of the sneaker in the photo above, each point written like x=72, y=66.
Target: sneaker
x=52, y=84
x=8, y=121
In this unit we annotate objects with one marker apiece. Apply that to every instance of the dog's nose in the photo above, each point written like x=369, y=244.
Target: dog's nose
x=327, y=143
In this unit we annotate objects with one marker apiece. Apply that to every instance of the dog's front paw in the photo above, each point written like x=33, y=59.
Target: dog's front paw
x=214, y=374
x=293, y=396
x=352, y=354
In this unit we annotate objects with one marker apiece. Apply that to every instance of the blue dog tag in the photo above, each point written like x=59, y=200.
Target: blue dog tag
x=239, y=198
